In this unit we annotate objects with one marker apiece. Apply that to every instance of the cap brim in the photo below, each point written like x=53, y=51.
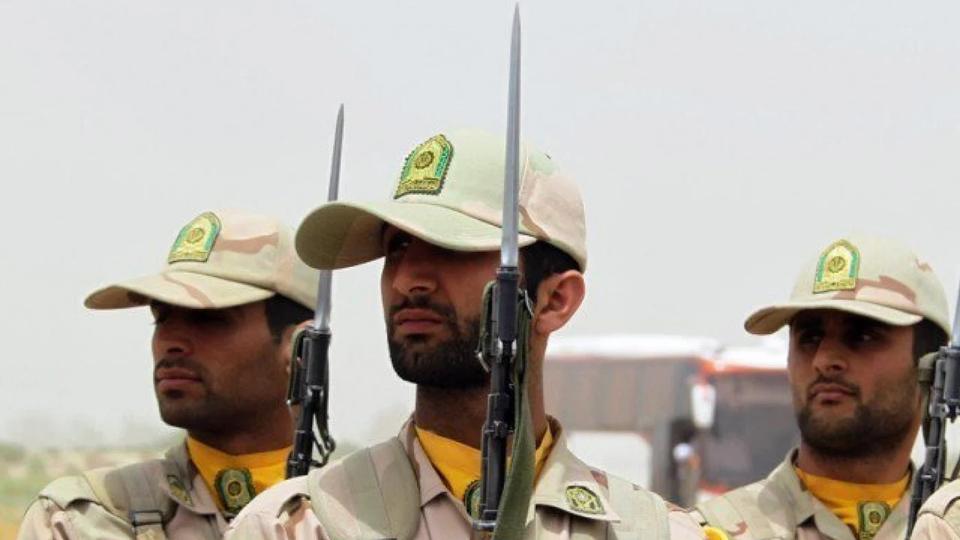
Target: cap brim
x=772, y=318
x=341, y=234
x=183, y=289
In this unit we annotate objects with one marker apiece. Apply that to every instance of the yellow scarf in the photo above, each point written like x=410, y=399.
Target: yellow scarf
x=459, y=464
x=863, y=507
x=265, y=468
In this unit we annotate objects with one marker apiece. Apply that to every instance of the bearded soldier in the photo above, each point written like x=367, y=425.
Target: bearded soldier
x=860, y=316
x=225, y=308
x=439, y=237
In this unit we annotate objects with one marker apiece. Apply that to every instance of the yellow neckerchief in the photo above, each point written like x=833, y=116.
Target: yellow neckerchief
x=266, y=468
x=459, y=464
x=857, y=505
x=713, y=533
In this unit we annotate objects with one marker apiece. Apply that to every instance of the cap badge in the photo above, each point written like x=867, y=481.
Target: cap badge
x=871, y=514
x=582, y=500
x=425, y=168
x=235, y=488
x=195, y=239
x=838, y=268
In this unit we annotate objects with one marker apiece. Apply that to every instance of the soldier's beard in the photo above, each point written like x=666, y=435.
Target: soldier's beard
x=450, y=364
x=874, y=428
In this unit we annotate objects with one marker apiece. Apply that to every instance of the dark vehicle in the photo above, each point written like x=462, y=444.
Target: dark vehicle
x=681, y=416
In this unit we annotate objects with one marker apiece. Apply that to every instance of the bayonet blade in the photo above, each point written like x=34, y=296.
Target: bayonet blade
x=509, y=254
x=321, y=320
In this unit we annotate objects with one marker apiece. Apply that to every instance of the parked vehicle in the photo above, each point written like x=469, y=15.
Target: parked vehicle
x=682, y=416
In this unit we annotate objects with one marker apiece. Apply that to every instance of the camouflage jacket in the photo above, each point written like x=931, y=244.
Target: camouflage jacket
x=780, y=507
x=410, y=501
x=940, y=515
x=155, y=499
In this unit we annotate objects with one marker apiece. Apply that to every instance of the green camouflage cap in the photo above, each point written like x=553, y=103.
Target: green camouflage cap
x=873, y=277
x=220, y=259
x=450, y=193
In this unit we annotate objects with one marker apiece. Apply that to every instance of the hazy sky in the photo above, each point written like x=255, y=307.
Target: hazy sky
x=717, y=144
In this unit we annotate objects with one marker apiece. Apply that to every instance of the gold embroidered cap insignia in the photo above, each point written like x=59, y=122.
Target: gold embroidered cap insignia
x=196, y=239
x=837, y=268
x=425, y=168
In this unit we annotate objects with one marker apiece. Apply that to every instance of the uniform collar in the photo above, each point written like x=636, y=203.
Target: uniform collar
x=184, y=484
x=431, y=485
x=562, y=479
x=806, y=507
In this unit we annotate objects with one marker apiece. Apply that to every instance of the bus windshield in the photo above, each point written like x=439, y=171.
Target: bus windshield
x=753, y=428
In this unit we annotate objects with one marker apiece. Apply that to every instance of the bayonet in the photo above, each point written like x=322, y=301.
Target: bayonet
x=499, y=347
x=310, y=370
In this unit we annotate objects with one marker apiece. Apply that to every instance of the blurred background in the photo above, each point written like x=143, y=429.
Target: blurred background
x=718, y=146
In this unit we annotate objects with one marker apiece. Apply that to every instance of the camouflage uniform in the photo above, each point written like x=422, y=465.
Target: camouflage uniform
x=779, y=506
x=939, y=517
x=866, y=276
x=219, y=260
x=623, y=510
x=450, y=195
x=176, y=503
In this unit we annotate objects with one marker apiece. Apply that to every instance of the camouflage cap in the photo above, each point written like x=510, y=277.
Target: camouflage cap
x=450, y=193
x=874, y=277
x=220, y=259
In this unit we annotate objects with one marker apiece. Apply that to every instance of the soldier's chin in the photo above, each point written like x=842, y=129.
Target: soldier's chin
x=439, y=373
x=180, y=412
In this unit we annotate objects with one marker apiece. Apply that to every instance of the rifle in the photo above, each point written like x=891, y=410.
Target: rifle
x=310, y=371
x=943, y=408
x=504, y=498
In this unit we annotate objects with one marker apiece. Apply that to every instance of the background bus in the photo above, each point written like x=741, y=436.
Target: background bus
x=682, y=416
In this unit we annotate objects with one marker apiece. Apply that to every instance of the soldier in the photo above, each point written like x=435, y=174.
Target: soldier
x=860, y=316
x=440, y=236
x=939, y=517
x=225, y=308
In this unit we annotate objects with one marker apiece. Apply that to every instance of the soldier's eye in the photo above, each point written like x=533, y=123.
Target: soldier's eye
x=160, y=315
x=396, y=244
x=201, y=317
x=865, y=336
x=809, y=337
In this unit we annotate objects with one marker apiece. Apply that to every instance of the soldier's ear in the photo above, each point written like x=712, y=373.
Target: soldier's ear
x=285, y=350
x=558, y=297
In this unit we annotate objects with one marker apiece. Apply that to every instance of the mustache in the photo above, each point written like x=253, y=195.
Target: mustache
x=848, y=386
x=445, y=312
x=179, y=363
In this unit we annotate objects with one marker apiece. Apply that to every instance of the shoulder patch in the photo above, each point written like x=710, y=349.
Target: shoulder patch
x=837, y=268
x=583, y=500
x=425, y=168
x=196, y=239
x=178, y=490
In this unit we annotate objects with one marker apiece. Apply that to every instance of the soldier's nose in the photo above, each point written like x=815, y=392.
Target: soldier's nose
x=829, y=360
